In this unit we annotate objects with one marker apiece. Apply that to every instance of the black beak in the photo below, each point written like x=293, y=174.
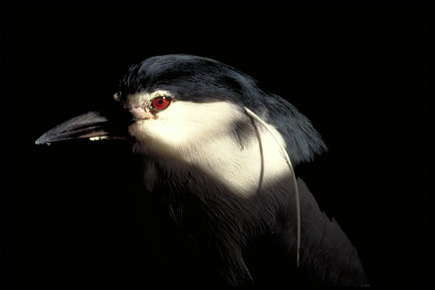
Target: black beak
x=90, y=125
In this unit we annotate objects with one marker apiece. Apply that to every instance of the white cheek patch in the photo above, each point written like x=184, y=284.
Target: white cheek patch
x=199, y=134
x=184, y=124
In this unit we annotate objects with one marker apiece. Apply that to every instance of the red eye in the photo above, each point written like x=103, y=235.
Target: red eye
x=161, y=103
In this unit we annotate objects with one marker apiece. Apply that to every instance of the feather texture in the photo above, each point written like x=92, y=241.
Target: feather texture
x=200, y=80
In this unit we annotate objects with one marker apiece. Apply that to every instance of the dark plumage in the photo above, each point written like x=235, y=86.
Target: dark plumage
x=215, y=187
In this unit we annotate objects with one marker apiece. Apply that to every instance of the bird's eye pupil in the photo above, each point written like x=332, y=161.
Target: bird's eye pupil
x=161, y=103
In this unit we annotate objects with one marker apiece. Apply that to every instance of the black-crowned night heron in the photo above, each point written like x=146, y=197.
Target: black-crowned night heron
x=216, y=175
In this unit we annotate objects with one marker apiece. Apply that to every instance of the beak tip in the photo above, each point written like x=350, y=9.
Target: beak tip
x=42, y=140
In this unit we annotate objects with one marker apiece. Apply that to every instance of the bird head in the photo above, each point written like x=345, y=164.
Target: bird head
x=183, y=109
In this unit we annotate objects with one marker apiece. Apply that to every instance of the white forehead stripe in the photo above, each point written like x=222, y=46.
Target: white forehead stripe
x=139, y=99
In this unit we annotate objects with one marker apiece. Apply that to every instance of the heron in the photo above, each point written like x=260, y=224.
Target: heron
x=217, y=153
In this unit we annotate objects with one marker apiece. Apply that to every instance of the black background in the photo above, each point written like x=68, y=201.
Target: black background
x=358, y=70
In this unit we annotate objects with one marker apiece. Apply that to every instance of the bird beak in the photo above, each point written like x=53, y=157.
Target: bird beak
x=90, y=125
